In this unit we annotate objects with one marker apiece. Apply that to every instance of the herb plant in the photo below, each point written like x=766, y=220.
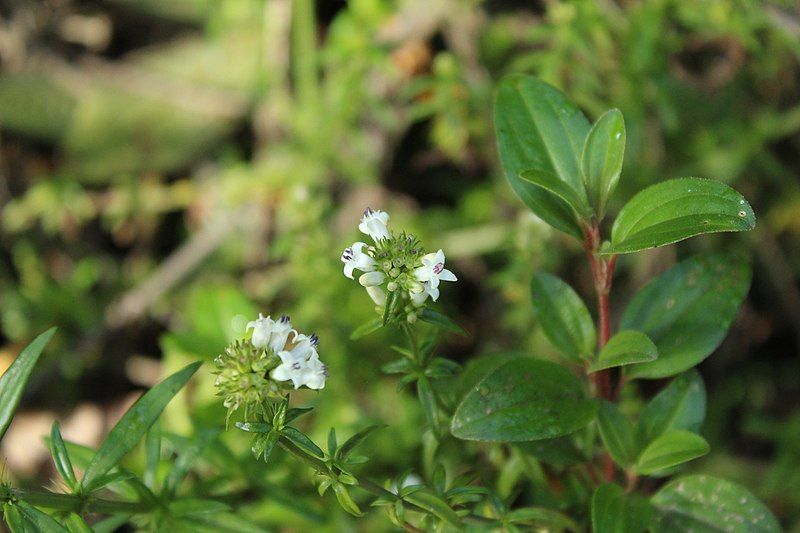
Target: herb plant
x=513, y=442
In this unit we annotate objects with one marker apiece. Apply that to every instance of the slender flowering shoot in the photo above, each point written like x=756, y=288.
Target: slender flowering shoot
x=402, y=278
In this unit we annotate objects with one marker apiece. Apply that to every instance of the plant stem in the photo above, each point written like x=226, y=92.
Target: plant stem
x=602, y=272
x=77, y=504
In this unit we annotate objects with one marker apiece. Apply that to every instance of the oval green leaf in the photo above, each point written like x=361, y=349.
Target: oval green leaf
x=706, y=504
x=671, y=449
x=563, y=316
x=525, y=399
x=686, y=311
x=538, y=128
x=12, y=384
x=681, y=405
x=614, y=511
x=625, y=348
x=601, y=159
x=618, y=434
x=576, y=199
x=678, y=209
x=134, y=424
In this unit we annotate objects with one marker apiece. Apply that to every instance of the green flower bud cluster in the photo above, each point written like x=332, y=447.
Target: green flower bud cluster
x=242, y=372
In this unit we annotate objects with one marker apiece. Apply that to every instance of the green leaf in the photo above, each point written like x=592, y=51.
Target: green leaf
x=388, y=308
x=429, y=405
x=435, y=505
x=542, y=517
x=187, y=458
x=538, y=128
x=708, y=504
x=676, y=210
x=618, y=434
x=196, y=506
x=110, y=524
x=134, y=424
x=680, y=405
x=441, y=321
x=332, y=444
x=61, y=458
x=302, y=441
x=525, y=399
x=478, y=368
x=366, y=328
x=686, y=311
x=14, y=519
x=152, y=447
x=12, y=384
x=350, y=445
x=75, y=524
x=563, y=316
x=546, y=180
x=295, y=412
x=40, y=522
x=613, y=511
x=601, y=159
x=671, y=449
x=625, y=348
x=345, y=500
x=263, y=444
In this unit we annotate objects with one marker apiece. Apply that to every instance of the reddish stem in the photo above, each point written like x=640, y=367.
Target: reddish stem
x=602, y=272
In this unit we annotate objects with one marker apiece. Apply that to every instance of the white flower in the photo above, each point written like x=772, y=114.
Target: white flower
x=431, y=272
x=377, y=294
x=315, y=373
x=371, y=279
x=373, y=223
x=280, y=333
x=301, y=364
x=353, y=258
x=262, y=329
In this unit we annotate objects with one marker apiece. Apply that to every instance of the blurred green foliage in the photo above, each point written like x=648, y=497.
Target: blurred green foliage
x=209, y=159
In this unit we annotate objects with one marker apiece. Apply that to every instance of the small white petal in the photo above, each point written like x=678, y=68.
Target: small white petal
x=446, y=275
x=419, y=297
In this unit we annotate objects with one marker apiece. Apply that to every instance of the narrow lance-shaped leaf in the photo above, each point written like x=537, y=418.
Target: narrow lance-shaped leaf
x=347, y=448
x=678, y=209
x=441, y=321
x=152, y=447
x=601, y=159
x=525, y=399
x=40, y=522
x=187, y=458
x=707, y=504
x=625, y=348
x=563, y=316
x=537, y=127
x=671, y=449
x=61, y=458
x=366, y=328
x=686, y=311
x=12, y=384
x=134, y=424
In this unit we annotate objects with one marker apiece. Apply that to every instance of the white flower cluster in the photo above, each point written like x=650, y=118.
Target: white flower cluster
x=300, y=362
x=394, y=262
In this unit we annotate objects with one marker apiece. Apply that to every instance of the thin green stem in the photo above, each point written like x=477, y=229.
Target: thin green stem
x=77, y=504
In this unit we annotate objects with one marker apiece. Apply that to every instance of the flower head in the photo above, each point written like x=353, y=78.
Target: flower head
x=395, y=266
x=373, y=223
x=251, y=372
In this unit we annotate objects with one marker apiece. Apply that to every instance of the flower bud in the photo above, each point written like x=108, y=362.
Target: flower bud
x=371, y=279
x=391, y=286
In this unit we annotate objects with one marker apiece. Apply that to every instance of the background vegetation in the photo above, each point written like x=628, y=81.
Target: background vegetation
x=165, y=166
